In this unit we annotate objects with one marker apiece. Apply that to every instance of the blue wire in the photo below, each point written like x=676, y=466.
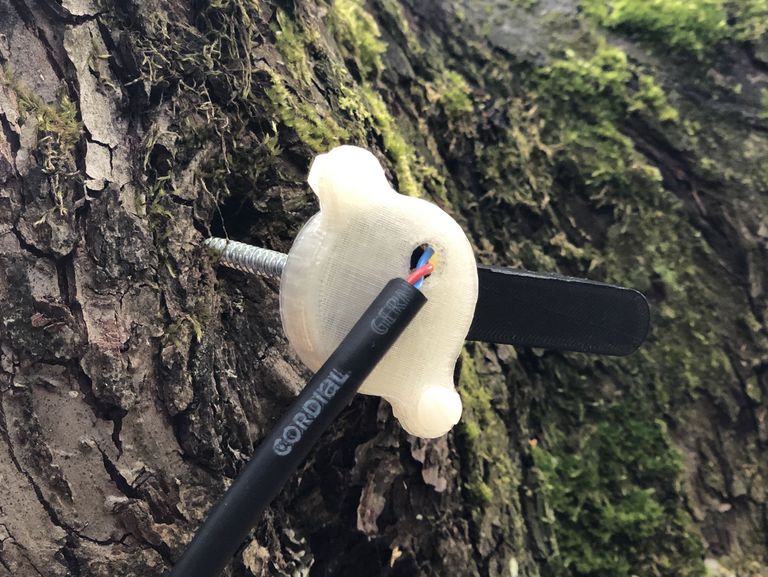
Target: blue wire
x=425, y=256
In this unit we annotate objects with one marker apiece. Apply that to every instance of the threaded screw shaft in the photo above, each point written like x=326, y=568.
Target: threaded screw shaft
x=248, y=258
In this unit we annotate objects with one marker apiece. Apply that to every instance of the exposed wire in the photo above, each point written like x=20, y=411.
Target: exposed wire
x=424, y=259
x=425, y=256
x=418, y=275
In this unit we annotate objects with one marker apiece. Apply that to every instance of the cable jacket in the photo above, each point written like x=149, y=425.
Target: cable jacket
x=327, y=393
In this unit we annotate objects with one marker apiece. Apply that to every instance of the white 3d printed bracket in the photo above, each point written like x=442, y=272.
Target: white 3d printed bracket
x=363, y=236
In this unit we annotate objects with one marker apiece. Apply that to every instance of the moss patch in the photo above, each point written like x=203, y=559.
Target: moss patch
x=692, y=26
x=358, y=32
x=293, y=43
x=564, y=151
x=319, y=132
x=613, y=489
x=601, y=86
x=489, y=475
x=650, y=239
x=58, y=131
x=454, y=94
x=394, y=143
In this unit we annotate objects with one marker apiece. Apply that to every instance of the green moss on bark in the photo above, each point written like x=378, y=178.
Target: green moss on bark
x=454, y=94
x=695, y=27
x=394, y=143
x=358, y=32
x=575, y=124
x=320, y=133
x=293, y=42
x=58, y=131
x=614, y=490
x=492, y=475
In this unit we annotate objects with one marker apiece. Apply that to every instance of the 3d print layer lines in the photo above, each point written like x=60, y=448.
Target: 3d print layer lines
x=364, y=235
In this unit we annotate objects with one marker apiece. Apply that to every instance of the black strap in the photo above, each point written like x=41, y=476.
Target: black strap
x=550, y=311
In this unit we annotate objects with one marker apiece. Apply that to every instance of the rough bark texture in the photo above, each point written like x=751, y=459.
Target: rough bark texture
x=624, y=141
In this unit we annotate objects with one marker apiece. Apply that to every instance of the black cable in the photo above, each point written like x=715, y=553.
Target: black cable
x=281, y=452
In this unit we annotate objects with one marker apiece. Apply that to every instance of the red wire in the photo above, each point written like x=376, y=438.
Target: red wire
x=420, y=273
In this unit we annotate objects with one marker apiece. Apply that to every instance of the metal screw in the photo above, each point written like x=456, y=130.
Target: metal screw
x=248, y=258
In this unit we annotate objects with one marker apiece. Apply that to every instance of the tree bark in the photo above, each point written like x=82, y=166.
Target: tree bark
x=136, y=377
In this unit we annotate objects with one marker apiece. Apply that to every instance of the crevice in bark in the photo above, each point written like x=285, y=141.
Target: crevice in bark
x=32, y=22
x=120, y=482
x=133, y=492
x=756, y=62
x=89, y=137
x=70, y=558
x=161, y=549
x=47, y=507
x=234, y=217
x=63, y=266
x=101, y=409
x=31, y=563
x=11, y=540
x=33, y=250
x=5, y=565
x=3, y=541
x=117, y=426
x=11, y=137
x=57, y=12
x=122, y=61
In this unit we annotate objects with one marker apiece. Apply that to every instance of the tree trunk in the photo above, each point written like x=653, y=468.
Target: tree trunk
x=626, y=145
